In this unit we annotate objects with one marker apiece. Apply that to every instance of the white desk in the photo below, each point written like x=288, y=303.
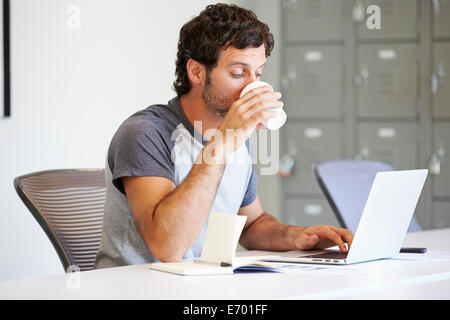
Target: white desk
x=383, y=279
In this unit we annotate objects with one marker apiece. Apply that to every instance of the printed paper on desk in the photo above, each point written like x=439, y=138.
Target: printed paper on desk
x=222, y=237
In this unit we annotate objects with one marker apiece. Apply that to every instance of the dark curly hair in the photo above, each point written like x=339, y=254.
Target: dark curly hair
x=217, y=27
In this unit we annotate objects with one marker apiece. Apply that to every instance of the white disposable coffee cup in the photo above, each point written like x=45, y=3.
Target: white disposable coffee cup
x=272, y=123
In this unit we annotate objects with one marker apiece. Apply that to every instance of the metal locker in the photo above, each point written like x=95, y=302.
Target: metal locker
x=392, y=143
x=313, y=19
x=440, y=160
x=441, y=214
x=441, y=18
x=312, y=81
x=309, y=212
x=310, y=144
x=387, y=80
x=440, y=79
x=398, y=19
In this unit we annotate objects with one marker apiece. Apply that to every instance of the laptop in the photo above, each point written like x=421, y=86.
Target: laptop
x=383, y=225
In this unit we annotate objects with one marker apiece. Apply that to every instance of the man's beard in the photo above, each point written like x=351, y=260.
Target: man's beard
x=215, y=100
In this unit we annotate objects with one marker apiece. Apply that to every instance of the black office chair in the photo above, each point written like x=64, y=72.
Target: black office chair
x=69, y=205
x=346, y=185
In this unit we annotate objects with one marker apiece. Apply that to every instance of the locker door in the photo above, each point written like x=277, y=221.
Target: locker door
x=442, y=141
x=392, y=143
x=441, y=18
x=441, y=214
x=313, y=19
x=387, y=80
x=309, y=212
x=440, y=80
x=398, y=20
x=313, y=143
x=421, y=214
x=314, y=81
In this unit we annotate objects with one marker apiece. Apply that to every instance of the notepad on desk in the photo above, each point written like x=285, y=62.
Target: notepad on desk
x=219, y=251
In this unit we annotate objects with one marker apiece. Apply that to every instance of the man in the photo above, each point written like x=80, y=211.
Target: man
x=169, y=166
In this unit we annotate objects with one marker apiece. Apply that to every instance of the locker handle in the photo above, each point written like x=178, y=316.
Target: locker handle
x=363, y=154
x=434, y=84
x=362, y=79
x=358, y=11
x=290, y=78
x=437, y=78
x=435, y=163
x=289, y=5
x=436, y=6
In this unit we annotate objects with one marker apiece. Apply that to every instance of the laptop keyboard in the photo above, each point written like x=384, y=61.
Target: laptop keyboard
x=328, y=255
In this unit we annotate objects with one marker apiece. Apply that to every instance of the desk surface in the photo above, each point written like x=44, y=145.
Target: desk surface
x=383, y=279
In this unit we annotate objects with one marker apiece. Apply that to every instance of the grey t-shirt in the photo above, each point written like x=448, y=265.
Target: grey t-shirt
x=160, y=141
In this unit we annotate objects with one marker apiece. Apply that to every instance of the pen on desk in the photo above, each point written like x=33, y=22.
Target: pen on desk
x=413, y=250
x=221, y=264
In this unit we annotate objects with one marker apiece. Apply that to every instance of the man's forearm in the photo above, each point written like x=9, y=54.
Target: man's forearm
x=179, y=218
x=268, y=233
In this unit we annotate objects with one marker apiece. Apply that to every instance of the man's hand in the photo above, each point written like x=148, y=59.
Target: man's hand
x=246, y=114
x=321, y=237
x=264, y=232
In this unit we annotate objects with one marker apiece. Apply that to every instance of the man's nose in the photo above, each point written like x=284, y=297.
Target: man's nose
x=251, y=79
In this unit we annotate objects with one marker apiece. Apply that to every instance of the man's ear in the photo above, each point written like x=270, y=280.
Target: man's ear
x=196, y=72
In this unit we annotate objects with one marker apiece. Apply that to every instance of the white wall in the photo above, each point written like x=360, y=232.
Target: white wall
x=71, y=89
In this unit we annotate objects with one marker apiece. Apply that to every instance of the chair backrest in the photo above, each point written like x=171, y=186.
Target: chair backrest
x=346, y=184
x=69, y=205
